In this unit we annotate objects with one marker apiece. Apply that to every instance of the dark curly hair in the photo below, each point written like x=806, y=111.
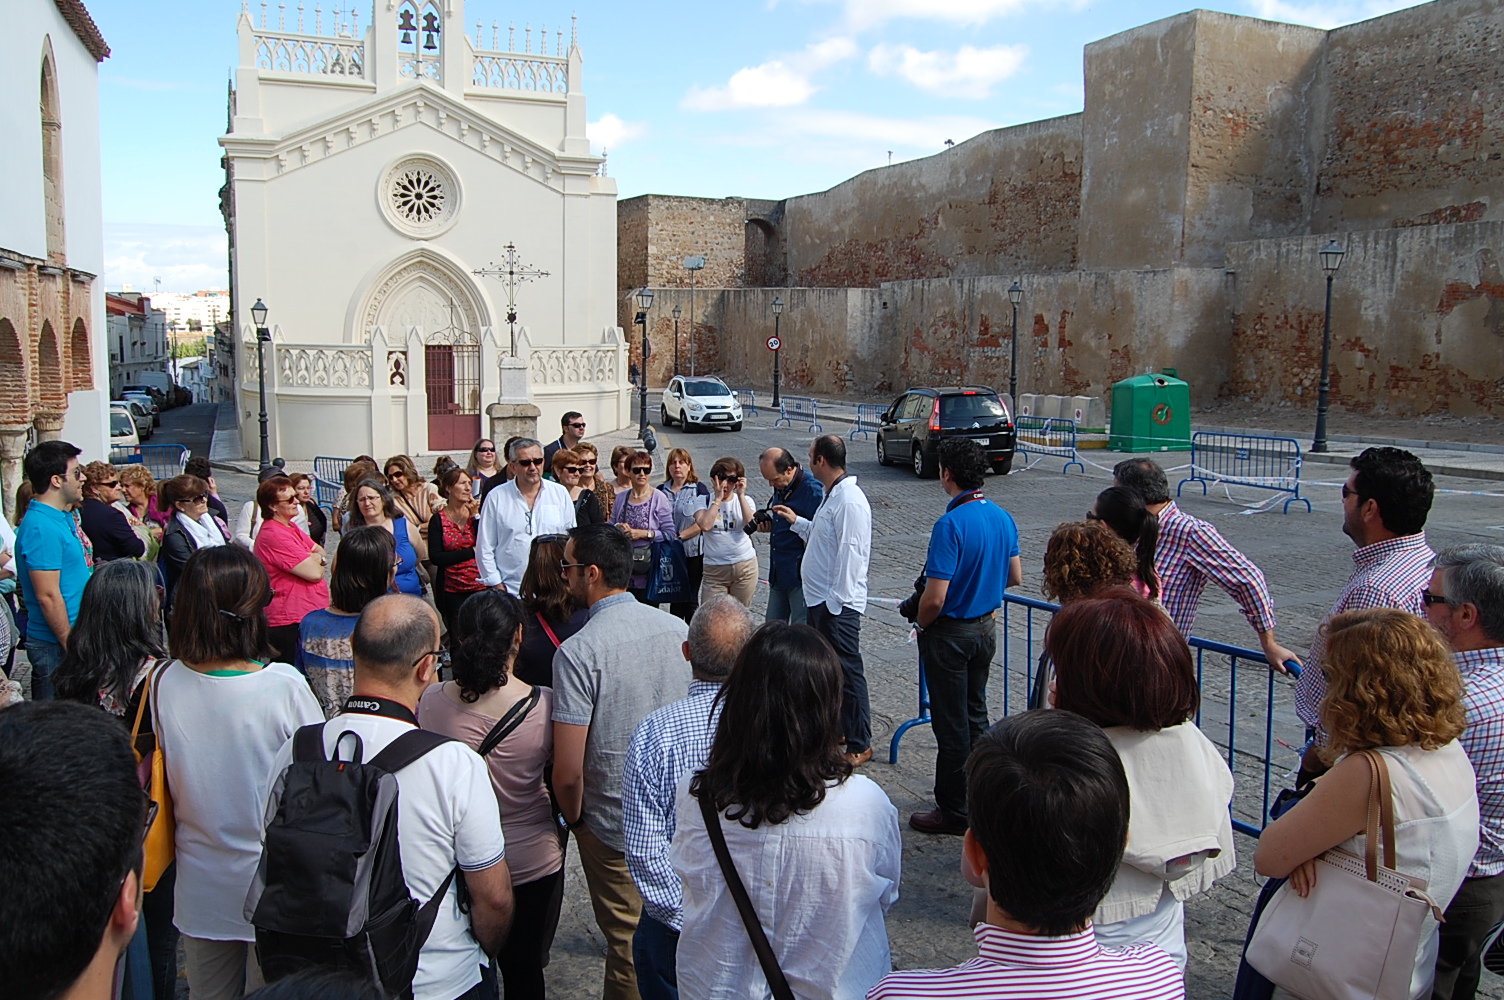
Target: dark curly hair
x=481, y=655
x=1400, y=483
x=778, y=743
x=1084, y=556
x=966, y=462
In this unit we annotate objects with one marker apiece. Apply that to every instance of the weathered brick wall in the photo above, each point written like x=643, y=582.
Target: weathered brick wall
x=1417, y=321
x=1005, y=201
x=632, y=233
x=1415, y=131
x=661, y=231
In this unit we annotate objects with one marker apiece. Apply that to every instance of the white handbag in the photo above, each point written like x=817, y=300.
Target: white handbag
x=1356, y=935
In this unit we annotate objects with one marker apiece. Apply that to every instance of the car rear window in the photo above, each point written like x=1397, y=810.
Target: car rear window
x=974, y=408
x=121, y=424
x=704, y=388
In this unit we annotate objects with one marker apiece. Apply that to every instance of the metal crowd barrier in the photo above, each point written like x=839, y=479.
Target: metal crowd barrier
x=803, y=407
x=1053, y=437
x=748, y=399
x=868, y=417
x=163, y=461
x=1260, y=759
x=1271, y=463
x=329, y=479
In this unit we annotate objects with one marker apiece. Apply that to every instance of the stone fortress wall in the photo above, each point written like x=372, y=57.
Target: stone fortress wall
x=1175, y=222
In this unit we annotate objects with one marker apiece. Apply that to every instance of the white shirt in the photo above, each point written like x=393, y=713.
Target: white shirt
x=7, y=546
x=726, y=544
x=508, y=527
x=220, y=736
x=820, y=883
x=837, y=549
x=446, y=816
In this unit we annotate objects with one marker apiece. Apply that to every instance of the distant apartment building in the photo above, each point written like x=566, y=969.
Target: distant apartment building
x=198, y=311
x=137, y=334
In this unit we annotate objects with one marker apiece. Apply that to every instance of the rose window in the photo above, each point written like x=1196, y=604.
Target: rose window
x=420, y=197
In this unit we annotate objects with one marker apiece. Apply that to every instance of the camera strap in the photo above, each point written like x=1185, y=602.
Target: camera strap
x=962, y=499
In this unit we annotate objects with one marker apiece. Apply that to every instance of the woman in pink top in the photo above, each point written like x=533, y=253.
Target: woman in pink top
x=294, y=563
x=486, y=701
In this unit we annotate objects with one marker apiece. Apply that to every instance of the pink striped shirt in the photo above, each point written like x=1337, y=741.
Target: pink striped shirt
x=1192, y=552
x=1073, y=967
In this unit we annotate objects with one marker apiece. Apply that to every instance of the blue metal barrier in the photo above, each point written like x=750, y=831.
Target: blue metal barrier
x=163, y=461
x=868, y=417
x=748, y=399
x=802, y=407
x=1053, y=437
x=328, y=480
x=1027, y=606
x=1271, y=463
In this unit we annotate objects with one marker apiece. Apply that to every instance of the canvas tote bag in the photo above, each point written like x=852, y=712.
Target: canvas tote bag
x=1355, y=936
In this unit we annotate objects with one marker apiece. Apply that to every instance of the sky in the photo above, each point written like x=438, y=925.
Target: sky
x=763, y=100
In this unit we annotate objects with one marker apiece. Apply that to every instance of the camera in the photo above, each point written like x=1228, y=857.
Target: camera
x=759, y=518
x=909, y=609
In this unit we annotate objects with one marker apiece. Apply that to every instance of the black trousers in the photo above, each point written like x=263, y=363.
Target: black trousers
x=284, y=640
x=1475, y=910
x=534, y=920
x=957, y=661
x=844, y=632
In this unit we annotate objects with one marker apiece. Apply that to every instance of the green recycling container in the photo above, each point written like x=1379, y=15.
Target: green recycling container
x=1150, y=413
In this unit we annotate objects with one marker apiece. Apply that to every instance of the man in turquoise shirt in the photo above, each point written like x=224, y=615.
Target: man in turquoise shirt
x=53, y=558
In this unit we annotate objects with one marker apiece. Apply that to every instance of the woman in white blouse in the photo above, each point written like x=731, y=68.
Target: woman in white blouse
x=730, y=560
x=816, y=846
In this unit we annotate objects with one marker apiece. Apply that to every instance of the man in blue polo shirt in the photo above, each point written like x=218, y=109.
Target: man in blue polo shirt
x=53, y=558
x=801, y=493
x=973, y=557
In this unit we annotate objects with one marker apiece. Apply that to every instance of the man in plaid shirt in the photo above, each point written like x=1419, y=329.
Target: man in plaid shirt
x=1192, y=552
x=1465, y=601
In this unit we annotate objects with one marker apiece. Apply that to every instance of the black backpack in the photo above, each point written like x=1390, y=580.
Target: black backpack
x=329, y=891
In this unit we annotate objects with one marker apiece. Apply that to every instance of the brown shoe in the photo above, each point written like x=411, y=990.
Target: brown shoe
x=859, y=758
x=935, y=822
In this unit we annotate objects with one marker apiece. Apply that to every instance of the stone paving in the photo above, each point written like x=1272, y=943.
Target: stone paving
x=1305, y=556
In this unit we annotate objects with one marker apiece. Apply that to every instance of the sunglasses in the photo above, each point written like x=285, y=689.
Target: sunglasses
x=396, y=474
x=573, y=470
x=1347, y=492
x=559, y=539
x=1427, y=598
x=1091, y=515
x=528, y=461
x=201, y=498
x=491, y=450
x=641, y=470
x=112, y=484
x=579, y=426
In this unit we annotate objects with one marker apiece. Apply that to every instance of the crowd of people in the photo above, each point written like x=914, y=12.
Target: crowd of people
x=484, y=667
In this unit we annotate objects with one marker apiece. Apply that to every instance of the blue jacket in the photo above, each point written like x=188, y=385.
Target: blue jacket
x=786, y=549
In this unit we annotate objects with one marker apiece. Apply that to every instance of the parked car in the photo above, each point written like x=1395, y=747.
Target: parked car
x=137, y=413
x=699, y=401
x=147, y=403
x=123, y=429
x=162, y=397
x=913, y=427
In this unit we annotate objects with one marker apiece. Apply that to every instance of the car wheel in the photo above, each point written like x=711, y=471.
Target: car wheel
x=1003, y=466
x=924, y=468
x=737, y=426
x=663, y=416
x=882, y=452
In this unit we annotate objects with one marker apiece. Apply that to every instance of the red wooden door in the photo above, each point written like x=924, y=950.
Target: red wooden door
x=453, y=384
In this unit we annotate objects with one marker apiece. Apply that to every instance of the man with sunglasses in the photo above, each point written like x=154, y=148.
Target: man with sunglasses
x=1385, y=502
x=516, y=512
x=573, y=426
x=54, y=558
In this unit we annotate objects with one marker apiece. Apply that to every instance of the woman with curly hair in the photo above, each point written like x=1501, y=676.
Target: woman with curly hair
x=816, y=846
x=590, y=476
x=1080, y=559
x=486, y=699
x=1392, y=686
x=106, y=524
x=416, y=498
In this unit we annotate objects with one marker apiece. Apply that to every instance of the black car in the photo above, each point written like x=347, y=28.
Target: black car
x=914, y=425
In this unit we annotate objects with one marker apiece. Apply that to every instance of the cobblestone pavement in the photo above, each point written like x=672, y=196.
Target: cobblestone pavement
x=1305, y=556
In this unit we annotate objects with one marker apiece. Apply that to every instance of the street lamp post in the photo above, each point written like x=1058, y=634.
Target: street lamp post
x=1015, y=296
x=258, y=316
x=777, y=313
x=1331, y=259
x=678, y=311
x=693, y=265
x=644, y=301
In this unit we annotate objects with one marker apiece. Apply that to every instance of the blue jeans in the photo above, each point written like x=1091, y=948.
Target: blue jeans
x=44, y=657
x=844, y=632
x=655, y=948
x=787, y=606
x=957, y=659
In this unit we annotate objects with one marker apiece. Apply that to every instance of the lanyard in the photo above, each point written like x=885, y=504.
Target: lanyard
x=365, y=704
x=962, y=499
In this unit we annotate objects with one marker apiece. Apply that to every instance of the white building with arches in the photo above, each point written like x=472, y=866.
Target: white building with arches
x=374, y=164
x=54, y=365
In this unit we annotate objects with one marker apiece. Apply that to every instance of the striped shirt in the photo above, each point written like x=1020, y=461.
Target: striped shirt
x=1387, y=574
x=1192, y=552
x=667, y=744
x=1074, y=967
x=1483, y=695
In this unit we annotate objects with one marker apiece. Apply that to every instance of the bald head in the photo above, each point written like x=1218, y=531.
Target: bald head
x=717, y=632
x=391, y=636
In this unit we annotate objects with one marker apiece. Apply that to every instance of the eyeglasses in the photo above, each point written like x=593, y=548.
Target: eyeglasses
x=431, y=652
x=1427, y=598
x=579, y=426
x=565, y=566
x=112, y=484
x=573, y=470
x=641, y=470
x=528, y=461
x=487, y=451
x=1346, y=492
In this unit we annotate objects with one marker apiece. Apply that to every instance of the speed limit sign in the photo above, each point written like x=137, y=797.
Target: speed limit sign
x=774, y=343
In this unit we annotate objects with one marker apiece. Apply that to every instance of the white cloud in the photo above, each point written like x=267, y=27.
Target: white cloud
x=778, y=83
x=609, y=132
x=1327, y=15
x=967, y=72
x=862, y=14
x=186, y=258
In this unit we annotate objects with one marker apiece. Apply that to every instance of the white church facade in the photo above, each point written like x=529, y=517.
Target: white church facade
x=372, y=169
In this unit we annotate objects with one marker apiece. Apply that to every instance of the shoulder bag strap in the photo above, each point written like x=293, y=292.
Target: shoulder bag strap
x=141, y=705
x=1371, y=826
x=508, y=722
x=1386, y=811
x=765, y=956
x=551, y=637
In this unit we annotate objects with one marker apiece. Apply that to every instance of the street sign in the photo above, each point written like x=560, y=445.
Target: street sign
x=774, y=343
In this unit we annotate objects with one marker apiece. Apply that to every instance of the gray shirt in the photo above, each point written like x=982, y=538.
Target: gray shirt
x=627, y=661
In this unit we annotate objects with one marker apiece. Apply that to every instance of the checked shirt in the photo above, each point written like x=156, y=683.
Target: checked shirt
x=1483, y=695
x=1192, y=552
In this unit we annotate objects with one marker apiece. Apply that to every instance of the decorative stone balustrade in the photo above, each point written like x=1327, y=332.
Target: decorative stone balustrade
x=285, y=52
x=339, y=367
x=520, y=71
x=597, y=365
